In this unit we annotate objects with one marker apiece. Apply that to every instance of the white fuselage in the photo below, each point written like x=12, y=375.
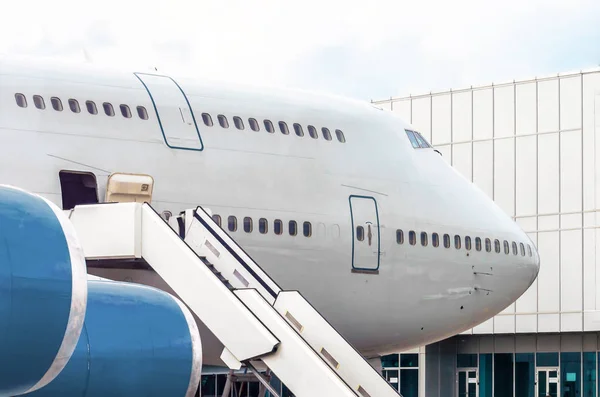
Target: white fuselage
x=408, y=295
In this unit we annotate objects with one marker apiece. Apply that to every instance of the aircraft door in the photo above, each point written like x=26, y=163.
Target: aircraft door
x=173, y=111
x=365, y=234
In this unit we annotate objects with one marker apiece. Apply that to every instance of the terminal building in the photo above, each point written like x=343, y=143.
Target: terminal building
x=533, y=146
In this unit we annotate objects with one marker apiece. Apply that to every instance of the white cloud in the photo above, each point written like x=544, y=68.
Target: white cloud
x=364, y=49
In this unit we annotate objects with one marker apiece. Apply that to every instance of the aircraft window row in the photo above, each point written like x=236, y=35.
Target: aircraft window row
x=416, y=140
x=263, y=225
x=458, y=242
x=269, y=127
x=109, y=110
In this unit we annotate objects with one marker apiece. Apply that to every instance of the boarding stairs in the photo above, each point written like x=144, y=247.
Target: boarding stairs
x=260, y=325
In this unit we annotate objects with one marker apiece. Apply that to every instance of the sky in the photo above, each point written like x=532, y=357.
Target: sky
x=368, y=50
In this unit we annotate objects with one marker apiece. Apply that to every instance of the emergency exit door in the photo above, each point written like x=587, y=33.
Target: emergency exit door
x=365, y=233
x=173, y=111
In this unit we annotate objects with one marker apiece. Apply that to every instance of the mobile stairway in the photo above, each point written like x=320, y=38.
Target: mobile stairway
x=259, y=324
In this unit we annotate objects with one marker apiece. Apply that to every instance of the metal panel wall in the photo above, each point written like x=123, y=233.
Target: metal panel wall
x=531, y=145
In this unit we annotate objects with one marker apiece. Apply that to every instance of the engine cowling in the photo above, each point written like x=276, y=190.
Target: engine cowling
x=136, y=341
x=43, y=291
x=62, y=335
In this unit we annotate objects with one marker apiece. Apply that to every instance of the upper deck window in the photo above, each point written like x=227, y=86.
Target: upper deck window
x=239, y=124
x=207, y=119
x=284, y=128
x=56, y=104
x=39, y=102
x=326, y=133
x=74, y=105
x=21, y=100
x=312, y=131
x=142, y=113
x=125, y=111
x=340, y=136
x=223, y=121
x=269, y=126
x=253, y=124
x=298, y=129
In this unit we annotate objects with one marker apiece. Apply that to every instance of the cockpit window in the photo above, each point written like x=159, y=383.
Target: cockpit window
x=413, y=139
x=422, y=142
x=417, y=141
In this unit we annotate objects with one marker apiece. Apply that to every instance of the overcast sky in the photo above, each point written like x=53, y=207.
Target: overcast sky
x=369, y=49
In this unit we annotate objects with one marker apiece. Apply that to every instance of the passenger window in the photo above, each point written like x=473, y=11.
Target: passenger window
x=340, y=136
x=298, y=129
x=412, y=139
x=283, y=128
x=239, y=124
x=477, y=243
x=457, y=241
x=435, y=240
x=142, y=113
x=468, y=243
x=312, y=131
x=326, y=133
x=125, y=111
x=207, y=119
x=217, y=219
x=412, y=238
x=263, y=226
x=223, y=121
x=269, y=126
x=506, y=247
x=56, y=104
x=360, y=233
x=522, y=246
x=446, y=240
x=108, y=109
x=253, y=125
x=529, y=250
x=248, y=224
x=21, y=100
x=293, y=228
x=424, y=239
x=232, y=223
x=399, y=237
x=74, y=105
x=514, y=247
x=307, y=229
x=488, y=245
x=91, y=107
x=497, y=246
x=39, y=102
x=278, y=226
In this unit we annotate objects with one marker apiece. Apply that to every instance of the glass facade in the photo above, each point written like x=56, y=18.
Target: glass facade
x=402, y=372
x=503, y=374
x=524, y=375
x=485, y=375
x=589, y=374
x=570, y=374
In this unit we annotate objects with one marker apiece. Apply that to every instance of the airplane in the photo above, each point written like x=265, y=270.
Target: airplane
x=333, y=197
